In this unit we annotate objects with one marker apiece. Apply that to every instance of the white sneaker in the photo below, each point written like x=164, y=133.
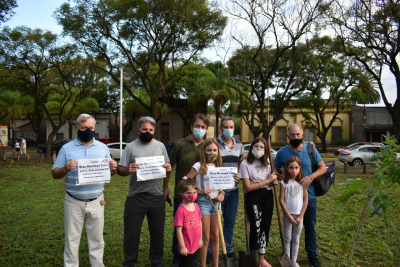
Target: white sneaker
x=296, y=265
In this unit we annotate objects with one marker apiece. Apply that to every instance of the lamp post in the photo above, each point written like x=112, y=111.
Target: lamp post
x=120, y=113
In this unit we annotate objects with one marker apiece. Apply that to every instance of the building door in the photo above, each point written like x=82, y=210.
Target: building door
x=309, y=134
x=165, y=132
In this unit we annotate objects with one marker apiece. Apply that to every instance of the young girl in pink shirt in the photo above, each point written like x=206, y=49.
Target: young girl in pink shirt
x=188, y=222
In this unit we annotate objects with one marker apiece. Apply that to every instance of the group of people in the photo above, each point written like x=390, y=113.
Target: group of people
x=196, y=230
x=20, y=148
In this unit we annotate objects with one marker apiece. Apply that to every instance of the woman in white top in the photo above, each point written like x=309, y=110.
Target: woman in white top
x=257, y=177
x=294, y=201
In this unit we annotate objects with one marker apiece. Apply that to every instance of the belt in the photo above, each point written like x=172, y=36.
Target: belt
x=80, y=199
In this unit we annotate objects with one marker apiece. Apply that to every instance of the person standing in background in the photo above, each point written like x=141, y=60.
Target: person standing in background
x=17, y=148
x=23, y=146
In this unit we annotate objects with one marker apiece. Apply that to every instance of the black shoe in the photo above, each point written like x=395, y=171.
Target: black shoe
x=233, y=255
x=314, y=262
x=209, y=258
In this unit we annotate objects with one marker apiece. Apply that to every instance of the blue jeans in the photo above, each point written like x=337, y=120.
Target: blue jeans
x=309, y=222
x=229, y=210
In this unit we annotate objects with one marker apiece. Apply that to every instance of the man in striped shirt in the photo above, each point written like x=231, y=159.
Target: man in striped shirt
x=84, y=204
x=232, y=153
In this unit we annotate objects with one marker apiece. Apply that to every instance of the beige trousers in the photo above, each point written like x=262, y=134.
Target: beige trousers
x=76, y=214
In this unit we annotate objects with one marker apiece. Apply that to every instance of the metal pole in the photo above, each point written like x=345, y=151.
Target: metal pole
x=120, y=114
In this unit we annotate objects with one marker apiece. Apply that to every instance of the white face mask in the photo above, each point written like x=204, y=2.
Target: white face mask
x=257, y=153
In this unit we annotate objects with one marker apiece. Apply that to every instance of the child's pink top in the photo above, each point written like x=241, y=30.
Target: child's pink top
x=191, y=227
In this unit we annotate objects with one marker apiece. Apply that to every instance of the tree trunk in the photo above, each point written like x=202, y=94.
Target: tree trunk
x=13, y=131
x=395, y=113
x=49, y=142
x=322, y=137
x=127, y=129
x=154, y=109
x=51, y=137
x=217, y=116
x=38, y=132
x=116, y=123
x=70, y=130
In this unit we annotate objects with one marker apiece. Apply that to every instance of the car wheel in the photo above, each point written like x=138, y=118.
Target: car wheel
x=357, y=162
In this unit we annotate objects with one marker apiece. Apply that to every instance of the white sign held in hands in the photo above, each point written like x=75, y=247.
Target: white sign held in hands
x=150, y=168
x=222, y=177
x=93, y=171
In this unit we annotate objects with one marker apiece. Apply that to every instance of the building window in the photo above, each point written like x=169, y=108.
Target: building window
x=281, y=134
x=309, y=134
x=336, y=132
x=59, y=136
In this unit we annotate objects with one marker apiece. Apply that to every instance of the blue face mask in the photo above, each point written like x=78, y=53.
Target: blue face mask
x=228, y=133
x=86, y=135
x=198, y=133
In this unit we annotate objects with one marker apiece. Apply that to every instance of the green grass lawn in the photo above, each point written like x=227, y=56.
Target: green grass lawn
x=32, y=227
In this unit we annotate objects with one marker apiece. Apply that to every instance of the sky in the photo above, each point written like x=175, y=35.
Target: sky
x=39, y=14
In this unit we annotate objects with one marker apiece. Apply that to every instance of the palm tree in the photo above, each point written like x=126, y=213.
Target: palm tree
x=211, y=85
x=368, y=91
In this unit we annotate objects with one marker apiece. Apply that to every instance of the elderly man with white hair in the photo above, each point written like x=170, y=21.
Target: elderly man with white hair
x=83, y=204
x=296, y=148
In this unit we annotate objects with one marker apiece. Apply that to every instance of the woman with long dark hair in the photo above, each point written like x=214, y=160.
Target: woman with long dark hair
x=257, y=177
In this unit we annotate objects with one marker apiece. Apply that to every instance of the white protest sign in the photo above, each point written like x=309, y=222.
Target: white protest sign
x=150, y=168
x=93, y=171
x=222, y=177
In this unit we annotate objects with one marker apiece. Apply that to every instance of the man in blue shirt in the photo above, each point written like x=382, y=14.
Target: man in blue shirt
x=296, y=148
x=84, y=204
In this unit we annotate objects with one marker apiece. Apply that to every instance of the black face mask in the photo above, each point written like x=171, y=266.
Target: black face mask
x=86, y=135
x=146, y=137
x=296, y=142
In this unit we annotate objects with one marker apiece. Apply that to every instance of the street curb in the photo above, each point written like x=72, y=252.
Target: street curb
x=330, y=159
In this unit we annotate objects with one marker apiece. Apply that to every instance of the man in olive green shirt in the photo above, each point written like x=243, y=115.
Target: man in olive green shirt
x=185, y=154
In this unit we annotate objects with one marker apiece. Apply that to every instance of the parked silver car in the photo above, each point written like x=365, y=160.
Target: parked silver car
x=115, y=149
x=357, y=155
x=247, y=148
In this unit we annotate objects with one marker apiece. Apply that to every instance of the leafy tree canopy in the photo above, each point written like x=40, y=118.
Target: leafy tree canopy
x=138, y=34
x=6, y=7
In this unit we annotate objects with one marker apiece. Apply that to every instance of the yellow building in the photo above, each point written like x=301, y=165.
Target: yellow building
x=341, y=127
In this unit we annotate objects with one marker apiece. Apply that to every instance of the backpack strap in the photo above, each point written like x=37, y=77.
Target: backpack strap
x=310, y=149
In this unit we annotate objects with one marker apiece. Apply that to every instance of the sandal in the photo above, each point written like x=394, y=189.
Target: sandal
x=264, y=263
